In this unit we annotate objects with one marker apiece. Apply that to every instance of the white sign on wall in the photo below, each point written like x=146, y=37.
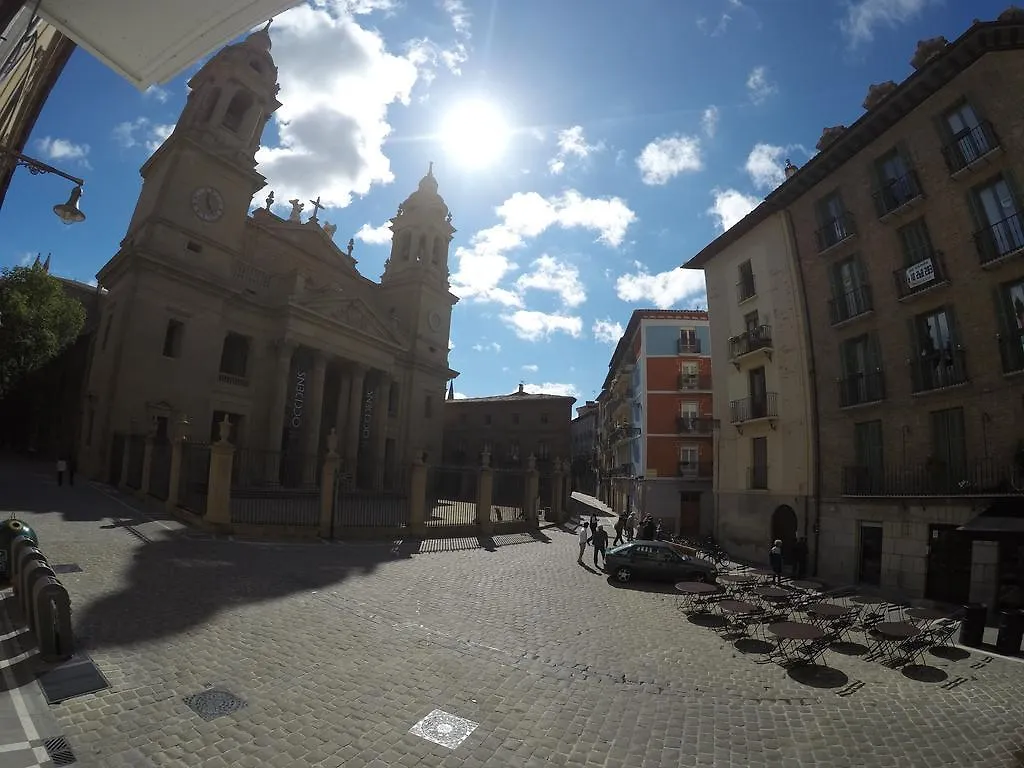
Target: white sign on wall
x=920, y=273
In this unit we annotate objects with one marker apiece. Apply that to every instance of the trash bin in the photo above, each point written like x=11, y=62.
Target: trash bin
x=9, y=530
x=972, y=628
x=1011, y=632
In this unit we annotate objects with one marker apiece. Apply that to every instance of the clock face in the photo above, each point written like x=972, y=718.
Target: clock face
x=207, y=204
x=435, y=321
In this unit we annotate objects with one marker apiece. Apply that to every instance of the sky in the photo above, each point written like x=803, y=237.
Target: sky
x=586, y=148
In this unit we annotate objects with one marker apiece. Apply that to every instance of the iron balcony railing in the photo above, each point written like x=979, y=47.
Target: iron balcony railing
x=695, y=425
x=938, y=370
x=927, y=271
x=696, y=470
x=746, y=289
x=1000, y=239
x=850, y=304
x=691, y=381
x=623, y=432
x=970, y=145
x=756, y=338
x=860, y=388
x=1011, y=352
x=935, y=478
x=895, y=193
x=835, y=231
x=762, y=406
x=688, y=346
x=757, y=477
x=232, y=379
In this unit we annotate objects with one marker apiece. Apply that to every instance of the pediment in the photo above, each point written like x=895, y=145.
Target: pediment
x=308, y=237
x=349, y=311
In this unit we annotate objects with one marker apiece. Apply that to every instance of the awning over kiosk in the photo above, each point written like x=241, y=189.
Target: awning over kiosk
x=1004, y=518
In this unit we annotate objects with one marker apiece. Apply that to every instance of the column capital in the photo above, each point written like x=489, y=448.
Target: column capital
x=282, y=346
x=319, y=358
x=360, y=369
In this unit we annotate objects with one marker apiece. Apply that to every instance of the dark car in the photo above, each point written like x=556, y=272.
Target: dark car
x=657, y=561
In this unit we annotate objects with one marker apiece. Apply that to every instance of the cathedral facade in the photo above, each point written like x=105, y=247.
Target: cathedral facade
x=213, y=311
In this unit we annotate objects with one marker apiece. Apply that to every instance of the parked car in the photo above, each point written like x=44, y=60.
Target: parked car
x=657, y=561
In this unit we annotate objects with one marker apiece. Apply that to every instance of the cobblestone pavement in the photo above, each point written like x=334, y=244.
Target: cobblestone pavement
x=338, y=649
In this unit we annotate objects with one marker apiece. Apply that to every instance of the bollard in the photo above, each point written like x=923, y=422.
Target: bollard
x=33, y=572
x=52, y=620
x=13, y=534
x=17, y=546
x=24, y=556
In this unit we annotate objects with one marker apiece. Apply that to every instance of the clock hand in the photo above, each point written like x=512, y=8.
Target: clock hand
x=209, y=203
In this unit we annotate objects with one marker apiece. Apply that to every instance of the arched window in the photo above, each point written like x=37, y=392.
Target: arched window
x=404, y=245
x=208, y=105
x=237, y=109
x=438, y=250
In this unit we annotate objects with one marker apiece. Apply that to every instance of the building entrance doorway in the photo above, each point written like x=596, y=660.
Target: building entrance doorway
x=949, y=565
x=869, y=569
x=784, y=527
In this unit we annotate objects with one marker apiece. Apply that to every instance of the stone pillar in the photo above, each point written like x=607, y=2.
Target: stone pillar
x=341, y=417
x=314, y=406
x=380, y=428
x=485, y=495
x=355, y=412
x=218, y=494
x=532, y=490
x=328, y=483
x=147, y=460
x=279, y=394
x=557, y=483
x=179, y=433
x=418, y=496
x=126, y=452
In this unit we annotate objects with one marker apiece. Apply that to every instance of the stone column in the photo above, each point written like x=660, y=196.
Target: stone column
x=179, y=433
x=557, y=482
x=532, y=490
x=418, y=496
x=328, y=482
x=282, y=364
x=380, y=428
x=355, y=412
x=485, y=495
x=218, y=495
x=341, y=412
x=314, y=406
x=126, y=452
x=147, y=460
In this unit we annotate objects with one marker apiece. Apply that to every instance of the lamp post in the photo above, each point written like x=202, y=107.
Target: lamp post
x=68, y=212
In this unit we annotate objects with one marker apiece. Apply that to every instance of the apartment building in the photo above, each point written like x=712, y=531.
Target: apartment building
x=657, y=420
x=583, y=433
x=908, y=235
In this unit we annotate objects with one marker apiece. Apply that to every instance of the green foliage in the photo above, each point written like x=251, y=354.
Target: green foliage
x=37, y=321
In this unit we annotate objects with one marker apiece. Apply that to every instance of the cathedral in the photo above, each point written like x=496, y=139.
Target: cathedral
x=212, y=311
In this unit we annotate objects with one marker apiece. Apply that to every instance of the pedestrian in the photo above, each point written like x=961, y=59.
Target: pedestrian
x=630, y=525
x=584, y=534
x=800, y=557
x=593, y=523
x=62, y=467
x=620, y=530
x=600, y=545
x=775, y=558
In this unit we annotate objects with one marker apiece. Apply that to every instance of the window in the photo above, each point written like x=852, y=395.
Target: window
x=758, y=383
x=949, y=447
x=513, y=451
x=237, y=109
x=998, y=212
x=867, y=444
x=234, y=355
x=745, y=287
x=851, y=294
x=758, y=463
x=689, y=375
x=689, y=409
x=834, y=221
x=897, y=182
x=922, y=264
x=235, y=420
x=861, y=366
x=939, y=362
x=106, y=330
x=543, y=451
x=915, y=241
x=1010, y=311
x=972, y=139
x=689, y=460
x=688, y=341
x=173, y=336
x=428, y=406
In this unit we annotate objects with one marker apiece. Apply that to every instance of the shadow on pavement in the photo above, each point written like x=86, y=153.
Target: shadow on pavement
x=818, y=676
x=658, y=587
x=923, y=673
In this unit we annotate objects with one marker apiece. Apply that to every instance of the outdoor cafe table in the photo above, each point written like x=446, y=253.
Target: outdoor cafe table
x=771, y=593
x=926, y=614
x=867, y=600
x=805, y=584
x=694, y=590
x=892, y=633
x=737, y=578
x=738, y=606
x=791, y=632
x=828, y=611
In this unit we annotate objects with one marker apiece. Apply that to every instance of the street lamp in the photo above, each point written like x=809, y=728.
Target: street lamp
x=68, y=212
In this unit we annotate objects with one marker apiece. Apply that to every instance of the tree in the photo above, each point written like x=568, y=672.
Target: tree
x=37, y=321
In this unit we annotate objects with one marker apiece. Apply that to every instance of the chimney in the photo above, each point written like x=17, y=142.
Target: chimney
x=790, y=168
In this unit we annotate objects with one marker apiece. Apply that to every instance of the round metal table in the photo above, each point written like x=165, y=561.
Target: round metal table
x=896, y=630
x=796, y=630
x=828, y=610
x=772, y=593
x=805, y=584
x=737, y=578
x=927, y=614
x=867, y=600
x=696, y=588
x=738, y=606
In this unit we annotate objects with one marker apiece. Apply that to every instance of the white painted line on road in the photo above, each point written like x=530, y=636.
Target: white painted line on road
x=41, y=755
x=125, y=504
x=7, y=663
x=17, y=746
x=17, y=699
x=13, y=633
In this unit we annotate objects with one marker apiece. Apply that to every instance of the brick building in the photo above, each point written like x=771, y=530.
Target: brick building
x=908, y=233
x=657, y=426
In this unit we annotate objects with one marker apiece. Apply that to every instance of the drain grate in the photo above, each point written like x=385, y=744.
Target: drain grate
x=444, y=728
x=67, y=568
x=59, y=751
x=213, y=703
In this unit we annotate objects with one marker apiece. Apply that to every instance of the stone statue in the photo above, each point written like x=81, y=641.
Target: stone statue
x=296, y=210
x=224, y=430
x=270, y=200
x=330, y=229
x=351, y=246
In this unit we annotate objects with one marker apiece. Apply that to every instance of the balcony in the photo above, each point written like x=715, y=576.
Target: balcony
x=897, y=196
x=971, y=148
x=745, y=289
x=695, y=425
x=755, y=340
x=748, y=409
x=623, y=432
x=851, y=304
x=861, y=388
x=694, y=381
x=836, y=231
x=1011, y=352
x=232, y=380
x=696, y=470
x=938, y=370
x=987, y=477
x=688, y=346
x=1000, y=240
x=924, y=274
x=757, y=477
x=623, y=470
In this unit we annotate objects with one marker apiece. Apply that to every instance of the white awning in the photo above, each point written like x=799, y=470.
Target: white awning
x=151, y=41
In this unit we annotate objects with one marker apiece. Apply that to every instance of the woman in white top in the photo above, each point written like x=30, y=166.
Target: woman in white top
x=584, y=534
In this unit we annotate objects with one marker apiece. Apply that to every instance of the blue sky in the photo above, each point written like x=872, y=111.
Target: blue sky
x=606, y=143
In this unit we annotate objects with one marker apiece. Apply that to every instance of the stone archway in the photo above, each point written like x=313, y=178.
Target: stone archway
x=784, y=527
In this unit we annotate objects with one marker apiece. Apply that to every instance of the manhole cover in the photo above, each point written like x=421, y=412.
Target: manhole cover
x=443, y=728
x=59, y=752
x=67, y=568
x=214, y=703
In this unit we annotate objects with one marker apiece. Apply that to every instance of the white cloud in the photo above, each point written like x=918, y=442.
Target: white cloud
x=709, y=121
x=63, y=150
x=863, y=17
x=531, y=368
x=664, y=289
x=156, y=93
x=375, y=235
x=530, y=325
x=666, y=157
x=491, y=346
x=572, y=144
x=142, y=132
x=338, y=80
x=607, y=331
x=526, y=215
x=552, y=388
x=26, y=259
x=550, y=274
x=758, y=85
x=730, y=206
x=764, y=164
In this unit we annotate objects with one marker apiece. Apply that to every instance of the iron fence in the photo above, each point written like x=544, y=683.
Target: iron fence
x=194, y=481
x=136, y=455
x=451, y=495
x=275, y=488
x=384, y=504
x=936, y=478
x=258, y=468
x=508, y=496
x=160, y=469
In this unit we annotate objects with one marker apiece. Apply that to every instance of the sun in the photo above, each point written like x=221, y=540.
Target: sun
x=474, y=133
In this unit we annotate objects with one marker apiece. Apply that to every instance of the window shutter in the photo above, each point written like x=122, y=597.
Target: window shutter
x=844, y=362
x=978, y=219
x=954, y=325
x=915, y=339
x=874, y=353
x=1015, y=189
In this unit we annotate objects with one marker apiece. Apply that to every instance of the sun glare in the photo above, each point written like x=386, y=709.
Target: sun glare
x=474, y=133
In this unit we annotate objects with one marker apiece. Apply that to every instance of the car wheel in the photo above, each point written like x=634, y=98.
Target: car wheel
x=623, y=574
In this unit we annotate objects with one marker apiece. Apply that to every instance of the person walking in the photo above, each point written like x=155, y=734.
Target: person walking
x=775, y=559
x=600, y=545
x=584, y=534
x=630, y=525
x=620, y=531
